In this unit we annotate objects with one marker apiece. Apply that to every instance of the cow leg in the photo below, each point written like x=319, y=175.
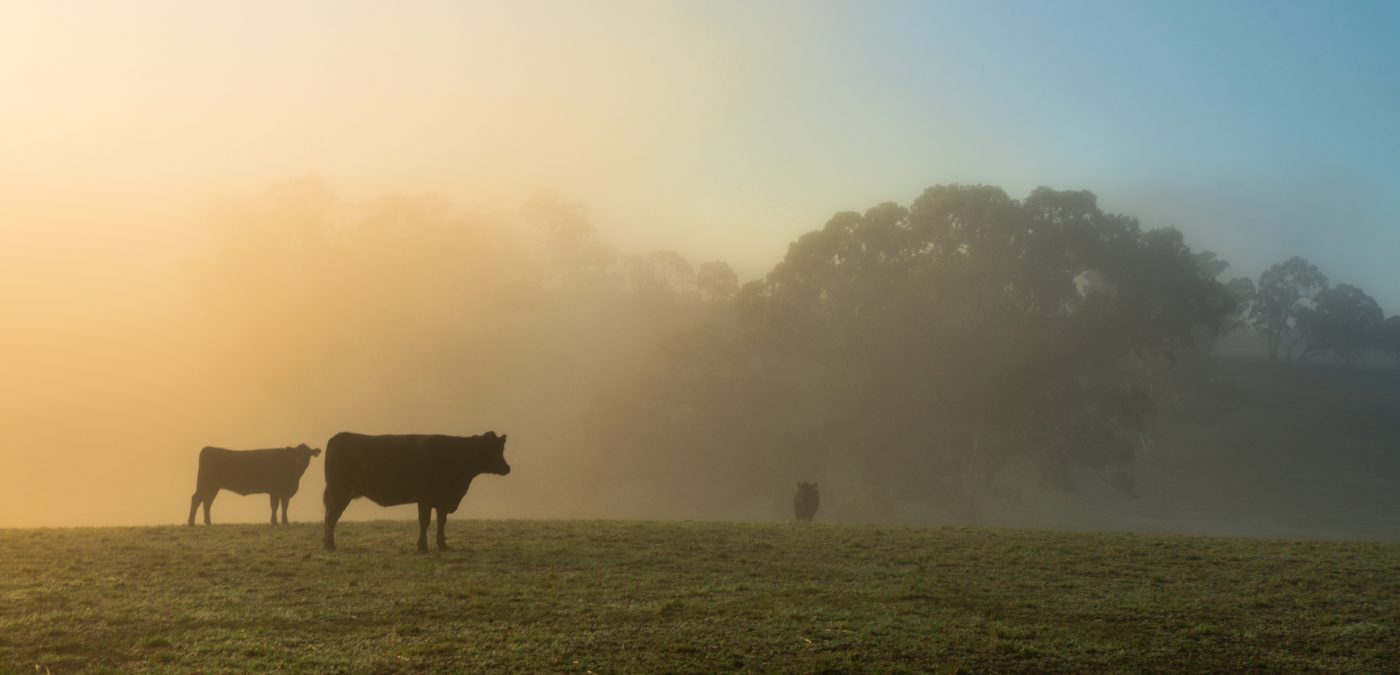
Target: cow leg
x=273, y=500
x=442, y=530
x=285, y=500
x=335, y=505
x=194, y=506
x=425, y=515
x=209, y=501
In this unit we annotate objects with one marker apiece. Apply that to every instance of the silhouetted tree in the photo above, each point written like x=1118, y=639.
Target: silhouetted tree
x=1210, y=264
x=1241, y=289
x=926, y=347
x=1343, y=320
x=1283, y=289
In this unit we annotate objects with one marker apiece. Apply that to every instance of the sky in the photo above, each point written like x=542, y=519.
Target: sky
x=726, y=129
x=722, y=130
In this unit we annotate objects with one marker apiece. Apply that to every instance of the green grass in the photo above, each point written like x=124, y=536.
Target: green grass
x=610, y=596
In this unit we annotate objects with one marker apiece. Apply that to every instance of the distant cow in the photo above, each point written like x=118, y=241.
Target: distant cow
x=431, y=471
x=276, y=471
x=804, y=505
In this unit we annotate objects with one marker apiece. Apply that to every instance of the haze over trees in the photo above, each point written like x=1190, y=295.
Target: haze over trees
x=915, y=353
x=1280, y=297
x=929, y=361
x=1241, y=290
x=1297, y=315
x=1343, y=320
x=919, y=354
x=1390, y=338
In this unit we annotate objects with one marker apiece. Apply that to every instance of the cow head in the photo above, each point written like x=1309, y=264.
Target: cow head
x=496, y=454
x=310, y=451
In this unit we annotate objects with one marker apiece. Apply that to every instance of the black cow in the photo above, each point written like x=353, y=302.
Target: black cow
x=432, y=471
x=804, y=504
x=276, y=471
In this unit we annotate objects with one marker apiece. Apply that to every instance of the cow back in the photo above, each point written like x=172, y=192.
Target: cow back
x=273, y=470
x=401, y=469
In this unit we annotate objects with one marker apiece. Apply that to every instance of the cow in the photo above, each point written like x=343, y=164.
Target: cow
x=432, y=471
x=804, y=504
x=275, y=471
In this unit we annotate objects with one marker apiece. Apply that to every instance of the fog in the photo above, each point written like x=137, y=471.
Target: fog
x=634, y=384
x=295, y=314
x=607, y=230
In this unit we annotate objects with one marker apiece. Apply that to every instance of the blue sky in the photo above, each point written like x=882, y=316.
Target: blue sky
x=1261, y=129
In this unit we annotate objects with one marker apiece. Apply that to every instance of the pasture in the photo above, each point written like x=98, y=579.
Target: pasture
x=620, y=596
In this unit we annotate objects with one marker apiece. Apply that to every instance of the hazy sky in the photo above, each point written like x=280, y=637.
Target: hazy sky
x=723, y=129
x=718, y=129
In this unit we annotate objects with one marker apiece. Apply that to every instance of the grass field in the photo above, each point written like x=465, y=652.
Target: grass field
x=617, y=596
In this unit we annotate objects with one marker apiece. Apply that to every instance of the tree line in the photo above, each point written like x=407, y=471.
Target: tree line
x=924, y=354
x=1297, y=314
x=919, y=361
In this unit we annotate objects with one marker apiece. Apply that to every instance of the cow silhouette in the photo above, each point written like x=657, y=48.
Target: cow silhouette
x=433, y=471
x=274, y=471
x=804, y=504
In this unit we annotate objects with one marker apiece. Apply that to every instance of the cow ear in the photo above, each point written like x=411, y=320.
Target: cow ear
x=503, y=439
x=490, y=434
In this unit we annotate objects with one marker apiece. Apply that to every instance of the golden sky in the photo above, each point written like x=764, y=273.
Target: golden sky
x=147, y=106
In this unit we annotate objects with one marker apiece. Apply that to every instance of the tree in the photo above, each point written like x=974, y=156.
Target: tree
x=1344, y=320
x=1389, y=339
x=717, y=281
x=1241, y=289
x=575, y=256
x=1283, y=289
x=1210, y=264
x=661, y=273
x=928, y=347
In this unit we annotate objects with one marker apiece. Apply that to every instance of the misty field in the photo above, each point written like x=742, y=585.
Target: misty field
x=616, y=596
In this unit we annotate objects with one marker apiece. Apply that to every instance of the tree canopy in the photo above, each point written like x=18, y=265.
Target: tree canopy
x=1389, y=339
x=927, y=347
x=1283, y=291
x=1344, y=320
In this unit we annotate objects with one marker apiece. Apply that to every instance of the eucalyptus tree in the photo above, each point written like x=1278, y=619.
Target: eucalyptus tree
x=1344, y=320
x=929, y=346
x=1283, y=291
